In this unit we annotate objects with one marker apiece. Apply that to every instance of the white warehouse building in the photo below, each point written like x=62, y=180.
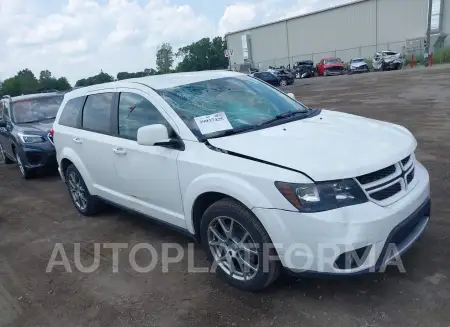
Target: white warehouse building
x=356, y=29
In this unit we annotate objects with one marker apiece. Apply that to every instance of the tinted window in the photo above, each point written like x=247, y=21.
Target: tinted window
x=1, y=110
x=36, y=109
x=134, y=112
x=97, y=112
x=71, y=112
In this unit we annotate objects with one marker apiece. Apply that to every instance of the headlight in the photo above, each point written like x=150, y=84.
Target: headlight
x=322, y=196
x=30, y=138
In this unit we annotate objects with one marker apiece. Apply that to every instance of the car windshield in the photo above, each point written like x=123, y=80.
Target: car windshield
x=217, y=107
x=37, y=109
x=389, y=53
x=333, y=61
x=358, y=60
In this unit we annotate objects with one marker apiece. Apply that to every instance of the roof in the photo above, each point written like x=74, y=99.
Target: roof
x=35, y=96
x=159, y=82
x=298, y=16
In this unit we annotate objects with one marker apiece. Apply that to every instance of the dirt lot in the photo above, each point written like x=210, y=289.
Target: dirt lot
x=35, y=215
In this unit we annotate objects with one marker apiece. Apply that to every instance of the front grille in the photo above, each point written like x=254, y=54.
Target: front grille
x=34, y=158
x=375, y=176
x=410, y=176
x=406, y=160
x=386, y=183
x=335, y=69
x=387, y=192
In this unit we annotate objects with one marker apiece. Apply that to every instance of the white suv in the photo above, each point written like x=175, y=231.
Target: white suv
x=262, y=181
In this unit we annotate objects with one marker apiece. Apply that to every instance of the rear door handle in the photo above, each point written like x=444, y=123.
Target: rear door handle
x=77, y=140
x=119, y=151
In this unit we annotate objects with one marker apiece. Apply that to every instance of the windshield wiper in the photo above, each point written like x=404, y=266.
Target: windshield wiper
x=282, y=116
x=234, y=131
x=29, y=122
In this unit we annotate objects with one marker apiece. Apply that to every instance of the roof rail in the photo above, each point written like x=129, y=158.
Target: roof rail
x=50, y=91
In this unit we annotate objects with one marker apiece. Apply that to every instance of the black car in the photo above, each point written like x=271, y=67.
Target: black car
x=285, y=76
x=304, y=69
x=26, y=131
x=267, y=77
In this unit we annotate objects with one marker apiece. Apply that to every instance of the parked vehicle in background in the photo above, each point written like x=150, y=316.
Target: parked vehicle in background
x=267, y=77
x=388, y=60
x=330, y=66
x=26, y=131
x=304, y=69
x=211, y=154
x=358, y=65
x=284, y=76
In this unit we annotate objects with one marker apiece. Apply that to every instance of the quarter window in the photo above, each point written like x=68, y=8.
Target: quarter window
x=97, y=112
x=136, y=111
x=71, y=112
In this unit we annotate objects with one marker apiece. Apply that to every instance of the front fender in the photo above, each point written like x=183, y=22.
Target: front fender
x=69, y=154
x=230, y=185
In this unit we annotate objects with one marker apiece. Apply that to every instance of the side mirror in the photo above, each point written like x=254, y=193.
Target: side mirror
x=2, y=123
x=153, y=134
x=291, y=95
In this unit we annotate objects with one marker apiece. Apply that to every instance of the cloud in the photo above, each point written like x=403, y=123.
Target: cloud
x=77, y=38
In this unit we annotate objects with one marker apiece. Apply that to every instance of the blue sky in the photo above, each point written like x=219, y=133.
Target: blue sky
x=78, y=38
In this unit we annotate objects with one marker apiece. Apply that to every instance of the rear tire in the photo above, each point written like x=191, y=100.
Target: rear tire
x=6, y=160
x=232, y=246
x=84, y=202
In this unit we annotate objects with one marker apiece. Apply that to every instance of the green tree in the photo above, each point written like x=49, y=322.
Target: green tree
x=96, y=79
x=164, y=58
x=204, y=54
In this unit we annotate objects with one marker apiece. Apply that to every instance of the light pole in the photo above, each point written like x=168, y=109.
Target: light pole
x=427, y=46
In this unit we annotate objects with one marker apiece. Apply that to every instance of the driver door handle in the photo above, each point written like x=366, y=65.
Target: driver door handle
x=119, y=151
x=77, y=140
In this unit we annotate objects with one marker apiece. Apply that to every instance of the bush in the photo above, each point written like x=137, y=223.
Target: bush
x=442, y=56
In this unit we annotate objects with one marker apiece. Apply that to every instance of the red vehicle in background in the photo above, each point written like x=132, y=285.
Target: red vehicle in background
x=330, y=66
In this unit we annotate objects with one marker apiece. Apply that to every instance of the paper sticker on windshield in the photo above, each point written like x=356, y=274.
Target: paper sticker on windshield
x=213, y=123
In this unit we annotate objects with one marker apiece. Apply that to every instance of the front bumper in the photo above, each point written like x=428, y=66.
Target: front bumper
x=334, y=71
x=362, y=69
x=314, y=242
x=43, y=155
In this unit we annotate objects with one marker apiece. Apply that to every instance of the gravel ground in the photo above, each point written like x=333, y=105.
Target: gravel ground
x=37, y=214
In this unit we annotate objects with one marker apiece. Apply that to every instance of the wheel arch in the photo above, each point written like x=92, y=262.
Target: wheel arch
x=68, y=157
x=206, y=190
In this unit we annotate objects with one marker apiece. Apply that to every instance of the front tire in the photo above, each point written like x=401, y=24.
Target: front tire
x=283, y=82
x=84, y=202
x=239, y=246
x=25, y=173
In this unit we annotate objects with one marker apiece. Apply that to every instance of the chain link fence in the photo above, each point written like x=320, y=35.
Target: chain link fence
x=440, y=56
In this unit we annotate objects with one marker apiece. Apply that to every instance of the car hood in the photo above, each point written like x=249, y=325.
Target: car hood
x=358, y=64
x=36, y=128
x=328, y=146
x=392, y=58
x=334, y=65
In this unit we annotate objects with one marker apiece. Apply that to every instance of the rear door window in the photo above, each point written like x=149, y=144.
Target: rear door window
x=71, y=112
x=97, y=113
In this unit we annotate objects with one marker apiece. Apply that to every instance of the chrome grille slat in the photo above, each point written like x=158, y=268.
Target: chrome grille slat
x=388, y=183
